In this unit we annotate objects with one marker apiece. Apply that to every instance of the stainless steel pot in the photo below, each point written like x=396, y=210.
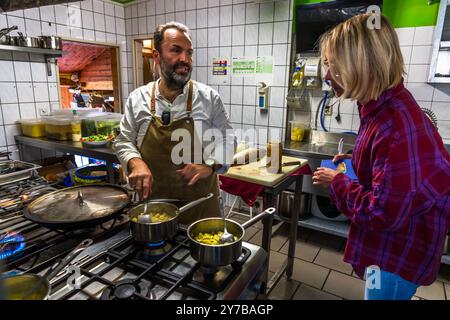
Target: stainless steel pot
x=159, y=231
x=50, y=42
x=5, y=38
x=223, y=254
x=23, y=41
x=33, y=286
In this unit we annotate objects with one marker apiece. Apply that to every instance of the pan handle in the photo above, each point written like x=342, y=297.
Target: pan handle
x=258, y=217
x=58, y=266
x=194, y=203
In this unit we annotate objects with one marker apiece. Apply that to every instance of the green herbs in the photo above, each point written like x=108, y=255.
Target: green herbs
x=97, y=137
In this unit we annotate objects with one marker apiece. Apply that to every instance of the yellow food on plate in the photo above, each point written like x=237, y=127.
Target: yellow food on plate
x=211, y=238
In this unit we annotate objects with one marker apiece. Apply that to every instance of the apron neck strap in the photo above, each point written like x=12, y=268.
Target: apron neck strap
x=189, y=99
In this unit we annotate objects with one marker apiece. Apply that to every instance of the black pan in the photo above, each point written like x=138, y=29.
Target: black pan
x=78, y=207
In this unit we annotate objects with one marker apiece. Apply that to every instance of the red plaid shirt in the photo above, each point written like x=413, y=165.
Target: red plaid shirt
x=400, y=207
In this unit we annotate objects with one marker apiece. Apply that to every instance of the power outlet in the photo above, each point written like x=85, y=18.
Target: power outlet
x=328, y=110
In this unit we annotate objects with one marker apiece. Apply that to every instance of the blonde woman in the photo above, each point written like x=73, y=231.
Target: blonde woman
x=400, y=207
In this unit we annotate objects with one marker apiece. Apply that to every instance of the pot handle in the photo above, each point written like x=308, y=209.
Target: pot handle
x=258, y=217
x=58, y=266
x=194, y=203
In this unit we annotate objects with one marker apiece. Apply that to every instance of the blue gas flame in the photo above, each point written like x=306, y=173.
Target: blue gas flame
x=9, y=250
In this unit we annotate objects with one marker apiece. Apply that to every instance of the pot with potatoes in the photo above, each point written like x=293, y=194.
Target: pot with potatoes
x=205, y=239
x=157, y=221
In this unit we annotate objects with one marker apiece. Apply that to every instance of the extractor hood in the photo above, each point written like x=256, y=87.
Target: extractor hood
x=12, y=5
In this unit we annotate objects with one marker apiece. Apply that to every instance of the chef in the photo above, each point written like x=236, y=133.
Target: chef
x=158, y=119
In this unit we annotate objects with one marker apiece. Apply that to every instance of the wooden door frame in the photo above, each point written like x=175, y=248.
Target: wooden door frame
x=133, y=52
x=118, y=107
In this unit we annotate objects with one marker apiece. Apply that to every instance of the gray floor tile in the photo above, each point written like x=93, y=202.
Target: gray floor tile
x=305, y=292
x=327, y=241
x=434, y=291
x=333, y=260
x=344, y=286
x=284, y=289
x=276, y=243
x=309, y=273
x=276, y=260
x=303, y=250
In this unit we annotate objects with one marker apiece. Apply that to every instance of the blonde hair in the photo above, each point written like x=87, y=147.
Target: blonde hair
x=365, y=61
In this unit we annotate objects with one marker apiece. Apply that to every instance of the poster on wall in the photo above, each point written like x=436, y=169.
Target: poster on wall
x=220, y=70
x=243, y=66
x=254, y=69
x=264, y=70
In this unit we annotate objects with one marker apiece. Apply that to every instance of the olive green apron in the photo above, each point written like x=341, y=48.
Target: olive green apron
x=156, y=151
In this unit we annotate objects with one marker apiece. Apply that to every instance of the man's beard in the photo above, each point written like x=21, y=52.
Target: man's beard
x=174, y=80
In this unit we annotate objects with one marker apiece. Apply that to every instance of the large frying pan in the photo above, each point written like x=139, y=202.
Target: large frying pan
x=78, y=207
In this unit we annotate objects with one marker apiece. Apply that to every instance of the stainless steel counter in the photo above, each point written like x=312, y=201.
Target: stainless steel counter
x=76, y=148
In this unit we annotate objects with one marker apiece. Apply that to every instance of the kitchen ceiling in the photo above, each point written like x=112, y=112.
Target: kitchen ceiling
x=78, y=55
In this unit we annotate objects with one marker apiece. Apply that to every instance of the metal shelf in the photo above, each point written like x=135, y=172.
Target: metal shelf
x=337, y=228
x=48, y=53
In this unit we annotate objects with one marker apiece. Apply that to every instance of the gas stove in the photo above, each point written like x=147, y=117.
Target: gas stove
x=130, y=270
x=115, y=266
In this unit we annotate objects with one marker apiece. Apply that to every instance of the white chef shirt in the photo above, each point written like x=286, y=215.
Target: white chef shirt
x=207, y=112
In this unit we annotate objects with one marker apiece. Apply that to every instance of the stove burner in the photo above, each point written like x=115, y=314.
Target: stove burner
x=124, y=289
x=154, y=249
x=155, y=245
x=11, y=244
x=128, y=289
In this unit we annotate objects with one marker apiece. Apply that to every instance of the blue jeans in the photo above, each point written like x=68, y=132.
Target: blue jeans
x=383, y=285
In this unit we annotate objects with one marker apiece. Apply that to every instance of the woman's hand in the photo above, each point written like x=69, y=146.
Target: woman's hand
x=341, y=156
x=324, y=176
x=194, y=172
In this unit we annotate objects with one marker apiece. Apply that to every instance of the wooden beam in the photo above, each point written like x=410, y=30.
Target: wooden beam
x=99, y=85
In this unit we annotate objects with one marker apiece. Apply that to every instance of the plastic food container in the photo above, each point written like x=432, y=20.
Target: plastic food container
x=34, y=128
x=109, y=124
x=88, y=123
x=58, y=127
x=298, y=131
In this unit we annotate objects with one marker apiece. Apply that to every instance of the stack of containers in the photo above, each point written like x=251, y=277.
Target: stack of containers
x=58, y=127
x=34, y=128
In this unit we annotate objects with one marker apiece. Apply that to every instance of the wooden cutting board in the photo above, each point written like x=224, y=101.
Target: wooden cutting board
x=256, y=172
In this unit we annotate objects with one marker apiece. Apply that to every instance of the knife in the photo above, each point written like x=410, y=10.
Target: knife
x=286, y=164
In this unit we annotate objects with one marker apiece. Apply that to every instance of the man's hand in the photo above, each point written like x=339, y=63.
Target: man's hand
x=195, y=172
x=140, y=177
x=341, y=156
x=324, y=176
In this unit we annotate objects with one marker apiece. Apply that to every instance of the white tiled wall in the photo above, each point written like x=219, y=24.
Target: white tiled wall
x=25, y=88
x=219, y=27
x=416, y=46
x=225, y=28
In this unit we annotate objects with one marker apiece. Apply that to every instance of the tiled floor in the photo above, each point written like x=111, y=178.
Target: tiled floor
x=319, y=272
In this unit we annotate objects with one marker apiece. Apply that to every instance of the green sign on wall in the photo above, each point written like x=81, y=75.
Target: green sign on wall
x=401, y=13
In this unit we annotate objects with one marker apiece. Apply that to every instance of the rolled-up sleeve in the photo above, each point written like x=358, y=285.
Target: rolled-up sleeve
x=125, y=145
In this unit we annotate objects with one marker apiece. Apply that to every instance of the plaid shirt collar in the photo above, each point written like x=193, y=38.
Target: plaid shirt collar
x=366, y=109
